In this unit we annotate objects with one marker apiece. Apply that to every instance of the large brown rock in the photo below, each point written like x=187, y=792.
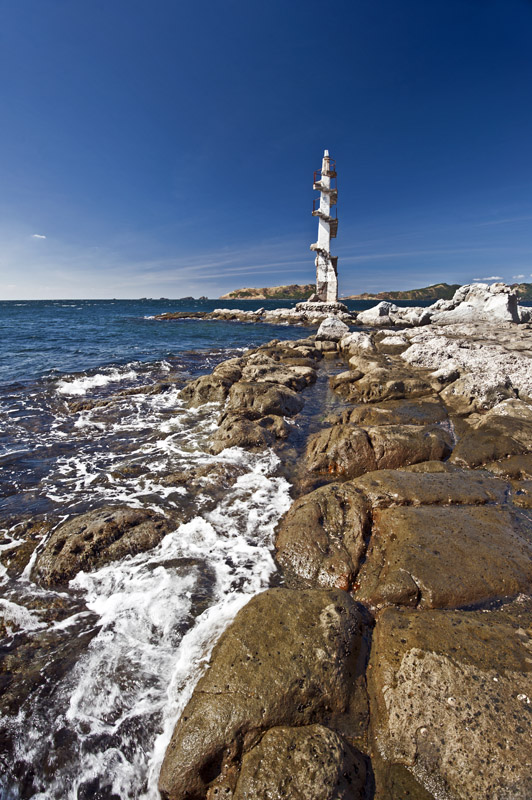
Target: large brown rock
x=350, y=451
x=396, y=412
x=91, y=540
x=295, y=377
x=263, y=398
x=213, y=388
x=381, y=383
x=289, y=658
x=236, y=430
x=517, y=467
x=340, y=450
x=308, y=763
x=506, y=430
x=446, y=557
x=321, y=539
x=451, y=701
x=411, y=488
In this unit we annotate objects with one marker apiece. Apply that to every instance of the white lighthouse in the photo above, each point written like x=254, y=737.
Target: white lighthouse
x=324, y=208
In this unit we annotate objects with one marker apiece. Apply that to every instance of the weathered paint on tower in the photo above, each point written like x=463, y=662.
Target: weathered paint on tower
x=325, y=210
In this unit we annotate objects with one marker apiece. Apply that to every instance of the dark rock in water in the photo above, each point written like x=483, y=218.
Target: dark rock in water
x=446, y=557
x=308, y=763
x=322, y=537
x=263, y=398
x=351, y=451
x=451, y=700
x=237, y=430
x=24, y=539
x=289, y=658
x=213, y=388
x=93, y=539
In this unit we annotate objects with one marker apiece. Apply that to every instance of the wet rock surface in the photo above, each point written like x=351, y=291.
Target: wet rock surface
x=451, y=700
x=288, y=659
x=350, y=450
x=321, y=539
x=308, y=763
x=91, y=540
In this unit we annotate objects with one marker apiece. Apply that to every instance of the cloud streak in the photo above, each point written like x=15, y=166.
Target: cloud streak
x=38, y=236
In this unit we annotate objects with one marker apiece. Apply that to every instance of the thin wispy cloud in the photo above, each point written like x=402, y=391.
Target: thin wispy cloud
x=517, y=277
x=490, y=278
x=505, y=221
x=38, y=236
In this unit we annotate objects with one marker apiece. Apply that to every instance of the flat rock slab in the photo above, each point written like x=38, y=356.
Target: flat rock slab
x=289, y=658
x=516, y=467
x=397, y=412
x=446, y=557
x=350, y=451
x=308, y=763
x=404, y=488
x=98, y=537
x=451, y=700
x=321, y=539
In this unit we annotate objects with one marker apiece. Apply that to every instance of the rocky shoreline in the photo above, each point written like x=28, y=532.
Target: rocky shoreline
x=393, y=657
x=395, y=660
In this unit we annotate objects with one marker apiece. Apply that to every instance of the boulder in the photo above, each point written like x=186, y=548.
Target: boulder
x=357, y=342
x=261, y=398
x=236, y=430
x=396, y=412
x=213, y=388
x=516, y=467
x=294, y=377
x=350, y=451
x=98, y=537
x=309, y=763
x=451, y=700
x=505, y=430
x=495, y=302
x=380, y=383
x=381, y=315
x=288, y=659
x=422, y=556
x=321, y=539
x=332, y=329
x=406, y=487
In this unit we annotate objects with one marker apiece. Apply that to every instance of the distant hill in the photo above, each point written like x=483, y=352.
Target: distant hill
x=292, y=292
x=524, y=290
x=438, y=291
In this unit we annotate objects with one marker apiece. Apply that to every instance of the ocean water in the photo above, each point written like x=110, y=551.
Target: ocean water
x=95, y=673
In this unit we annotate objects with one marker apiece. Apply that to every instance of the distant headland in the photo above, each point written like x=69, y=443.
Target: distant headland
x=294, y=291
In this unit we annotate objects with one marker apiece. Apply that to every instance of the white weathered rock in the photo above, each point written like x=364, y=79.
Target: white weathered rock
x=381, y=315
x=493, y=360
x=478, y=301
x=357, y=342
x=332, y=329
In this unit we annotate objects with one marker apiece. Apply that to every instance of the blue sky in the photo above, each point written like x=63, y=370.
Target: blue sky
x=166, y=148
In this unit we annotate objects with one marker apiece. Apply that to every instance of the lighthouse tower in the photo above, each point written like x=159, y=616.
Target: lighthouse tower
x=324, y=208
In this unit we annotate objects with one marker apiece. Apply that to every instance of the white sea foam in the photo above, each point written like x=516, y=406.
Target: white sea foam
x=16, y=617
x=80, y=386
x=159, y=615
